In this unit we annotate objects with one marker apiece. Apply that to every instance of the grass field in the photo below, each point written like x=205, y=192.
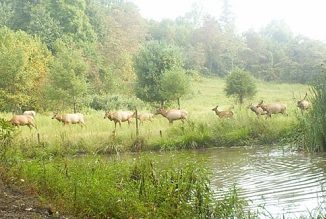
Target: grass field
x=206, y=93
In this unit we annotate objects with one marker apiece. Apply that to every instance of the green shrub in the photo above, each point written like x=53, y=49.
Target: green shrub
x=113, y=102
x=7, y=134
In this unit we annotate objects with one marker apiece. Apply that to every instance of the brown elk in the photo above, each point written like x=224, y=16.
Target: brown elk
x=22, y=120
x=304, y=104
x=119, y=116
x=224, y=113
x=257, y=110
x=273, y=108
x=143, y=116
x=70, y=118
x=173, y=114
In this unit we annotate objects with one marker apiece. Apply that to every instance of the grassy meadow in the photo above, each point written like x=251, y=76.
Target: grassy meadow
x=67, y=167
x=204, y=128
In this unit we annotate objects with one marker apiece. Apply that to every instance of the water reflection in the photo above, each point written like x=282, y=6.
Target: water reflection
x=281, y=181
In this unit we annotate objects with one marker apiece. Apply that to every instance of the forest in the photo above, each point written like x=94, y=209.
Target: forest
x=68, y=55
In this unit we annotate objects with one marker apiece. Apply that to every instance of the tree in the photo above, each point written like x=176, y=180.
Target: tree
x=240, y=85
x=67, y=82
x=175, y=84
x=44, y=26
x=150, y=64
x=7, y=14
x=23, y=69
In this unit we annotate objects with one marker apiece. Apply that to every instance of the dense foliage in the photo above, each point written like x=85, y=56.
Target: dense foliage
x=94, y=46
x=24, y=63
x=150, y=65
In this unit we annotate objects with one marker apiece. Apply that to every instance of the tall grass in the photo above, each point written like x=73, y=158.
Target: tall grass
x=127, y=188
x=313, y=125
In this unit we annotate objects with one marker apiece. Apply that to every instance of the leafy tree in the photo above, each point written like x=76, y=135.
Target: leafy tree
x=73, y=19
x=7, y=14
x=240, y=84
x=44, y=26
x=67, y=83
x=150, y=64
x=23, y=69
x=175, y=84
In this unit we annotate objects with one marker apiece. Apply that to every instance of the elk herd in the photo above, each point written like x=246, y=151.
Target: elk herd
x=267, y=109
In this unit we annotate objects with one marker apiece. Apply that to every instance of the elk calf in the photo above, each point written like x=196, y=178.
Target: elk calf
x=224, y=113
x=257, y=110
x=143, y=117
x=304, y=104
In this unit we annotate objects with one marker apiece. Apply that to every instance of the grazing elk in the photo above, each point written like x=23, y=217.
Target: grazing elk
x=273, y=108
x=143, y=116
x=257, y=110
x=30, y=113
x=224, y=113
x=119, y=116
x=22, y=120
x=70, y=118
x=304, y=104
x=173, y=114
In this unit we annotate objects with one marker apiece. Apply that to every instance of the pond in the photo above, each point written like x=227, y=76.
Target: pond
x=276, y=181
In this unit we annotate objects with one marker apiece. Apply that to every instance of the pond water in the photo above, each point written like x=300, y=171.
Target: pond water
x=275, y=181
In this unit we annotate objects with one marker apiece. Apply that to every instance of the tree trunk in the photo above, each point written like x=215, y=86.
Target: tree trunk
x=75, y=110
x=137, y=125
x=241, y=99
x=178, y=102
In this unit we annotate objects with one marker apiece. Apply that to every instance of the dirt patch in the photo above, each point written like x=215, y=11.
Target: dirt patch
x=17, y=202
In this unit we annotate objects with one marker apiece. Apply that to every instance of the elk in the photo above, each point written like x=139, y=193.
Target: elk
x=173, y=114
x=257, y=110
x=70, y=118
x=224, y=113
x=273, y=108
x=22, y=120
x=143, y=116
x=304, y=104
x=119, y=116
x=30, y=113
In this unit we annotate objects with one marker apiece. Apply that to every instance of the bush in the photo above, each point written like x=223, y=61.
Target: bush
x=115, y=102
x=7, y=132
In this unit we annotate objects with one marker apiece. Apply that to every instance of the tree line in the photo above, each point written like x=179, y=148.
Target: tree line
x=68, y=54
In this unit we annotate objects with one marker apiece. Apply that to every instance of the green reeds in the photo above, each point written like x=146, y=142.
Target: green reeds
x=129, y=188
x=313, y=125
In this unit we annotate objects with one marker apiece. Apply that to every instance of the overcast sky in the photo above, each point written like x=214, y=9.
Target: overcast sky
x=306, y=17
